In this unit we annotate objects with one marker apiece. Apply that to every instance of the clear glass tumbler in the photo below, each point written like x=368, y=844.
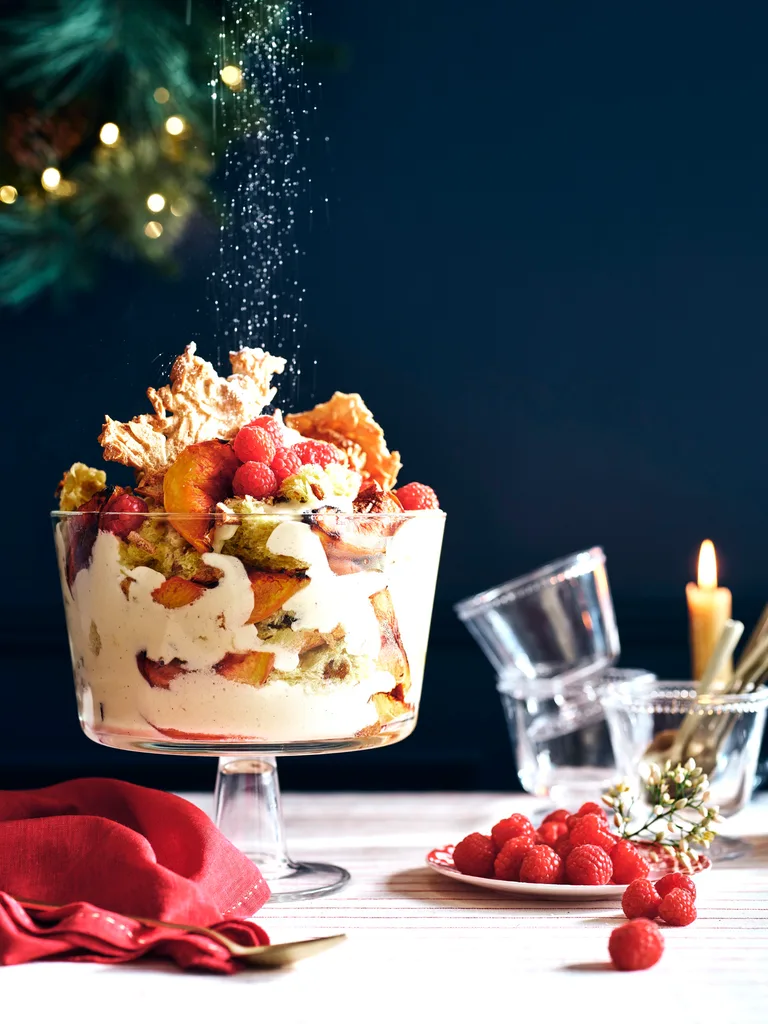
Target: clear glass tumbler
x=559, y=734
x=555, y=622
x=725, y=733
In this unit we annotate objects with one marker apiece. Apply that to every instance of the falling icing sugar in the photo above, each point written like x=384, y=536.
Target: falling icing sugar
x=261, y=102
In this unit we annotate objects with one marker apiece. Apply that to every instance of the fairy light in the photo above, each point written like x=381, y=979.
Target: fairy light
x=8, y=194
x=153, y=229
x=179, y=207
x=174, y=125
x=109, y=133
x=161, y=95
x=66, y=189
x=156, y=202
x=232, y=76
x=51, y=179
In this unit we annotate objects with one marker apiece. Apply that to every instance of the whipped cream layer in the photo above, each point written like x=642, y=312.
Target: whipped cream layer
x=112, y=619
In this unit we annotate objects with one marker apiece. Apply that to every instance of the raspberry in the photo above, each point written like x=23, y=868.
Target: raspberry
x=318, y=453
x=254, y=444
x=550, y=831
x=640, y=899
x=559, y=815
x=510, y=857
x=542, y=865
x=127, y=514
x=285, y=463
x=256, y=479
x=563, y=847
x=591, y=808
x=675, y=880
x=475, y=855
x=636, y=945
x=628, y=863
x=588, y=865
x=677, y=908
x=592, y=831
x=272, y=426
x=509, y=828
x=416, y=496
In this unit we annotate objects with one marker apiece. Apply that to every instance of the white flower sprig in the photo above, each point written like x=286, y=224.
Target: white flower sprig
x=680, y=818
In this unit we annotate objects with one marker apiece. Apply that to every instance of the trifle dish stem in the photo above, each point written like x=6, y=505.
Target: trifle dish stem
x=248, y=810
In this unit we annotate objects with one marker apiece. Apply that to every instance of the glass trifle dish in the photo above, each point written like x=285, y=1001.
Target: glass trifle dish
x=260, y=589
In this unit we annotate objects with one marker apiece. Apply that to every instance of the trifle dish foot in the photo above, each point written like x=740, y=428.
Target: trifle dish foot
x=248, y=811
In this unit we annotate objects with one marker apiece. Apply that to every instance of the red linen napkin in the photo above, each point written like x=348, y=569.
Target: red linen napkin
x=108, y=847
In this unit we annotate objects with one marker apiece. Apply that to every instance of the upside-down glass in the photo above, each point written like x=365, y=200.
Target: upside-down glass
x=555, y=622
x=298, y=634
x=726, y=743
x=559, y=734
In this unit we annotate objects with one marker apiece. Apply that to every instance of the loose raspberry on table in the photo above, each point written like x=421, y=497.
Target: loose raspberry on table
x=628, y=863
x=254, y=444
x=677, y=908
x=558, y=815
x=675, y=880
x=285, y=463
x=318, y=453
x=272, y=426
x=122, y=514
x=509, y=828
x=591, y=808
x=414, y=497
x=475, y=855
x=640, y=899
x=255, y=479
x=550, y=831
x=509, y=858
x=593, y=831
x=636, y=945
x=542, y=866
x=588, y=865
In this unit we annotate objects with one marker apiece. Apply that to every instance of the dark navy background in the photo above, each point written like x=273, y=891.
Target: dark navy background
x=545, y=267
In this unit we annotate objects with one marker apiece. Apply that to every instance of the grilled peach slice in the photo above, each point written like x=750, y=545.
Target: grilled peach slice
x=392, y=657
x=353, y=543
x=271, y=590
x=390, y=705
x=199, y=478
x=252, y=667
x=159, y=673
x=176, y=592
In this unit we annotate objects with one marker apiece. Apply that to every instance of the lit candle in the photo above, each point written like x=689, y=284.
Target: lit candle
x=709, y=606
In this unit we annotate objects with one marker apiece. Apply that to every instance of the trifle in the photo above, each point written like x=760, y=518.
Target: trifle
x=261, y=586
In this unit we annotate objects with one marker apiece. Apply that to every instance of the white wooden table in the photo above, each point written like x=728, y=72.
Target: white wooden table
x=422, y=948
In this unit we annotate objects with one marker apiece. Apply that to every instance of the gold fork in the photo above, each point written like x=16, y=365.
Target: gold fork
x=280, y=955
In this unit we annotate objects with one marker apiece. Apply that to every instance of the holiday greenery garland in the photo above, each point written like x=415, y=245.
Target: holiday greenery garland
x=107, y=131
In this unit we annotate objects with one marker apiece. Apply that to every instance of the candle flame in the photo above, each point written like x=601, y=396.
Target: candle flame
x=707, y=566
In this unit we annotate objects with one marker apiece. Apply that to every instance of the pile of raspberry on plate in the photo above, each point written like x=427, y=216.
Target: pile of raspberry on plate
x=571, y=849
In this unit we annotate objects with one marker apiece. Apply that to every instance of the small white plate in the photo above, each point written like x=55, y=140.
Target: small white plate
x=441, y=861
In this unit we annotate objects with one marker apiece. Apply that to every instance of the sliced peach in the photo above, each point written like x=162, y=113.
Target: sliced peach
x=199, y=478
x=391, y=705
x=354, y=543
x=271, y=590
x=252, y=668
x=159, y=673
x=392, y=657
x=176, y=592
